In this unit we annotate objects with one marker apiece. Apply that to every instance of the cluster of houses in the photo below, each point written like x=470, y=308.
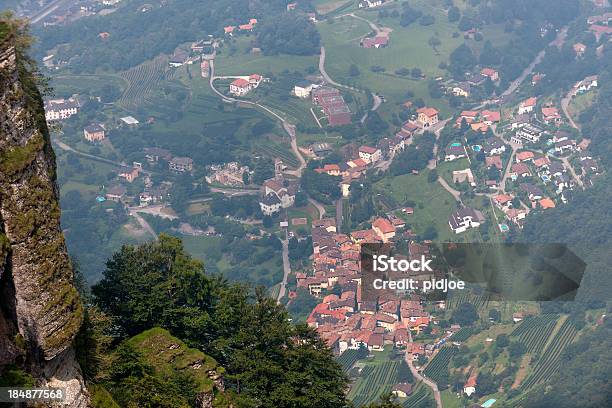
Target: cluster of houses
x=600, y=25
x=242, y=28
x=465, y=88
x=245, y=84
x=228, y=174
x=479, y=120
x=332, y=104
x=353, y=169
x=346, y=321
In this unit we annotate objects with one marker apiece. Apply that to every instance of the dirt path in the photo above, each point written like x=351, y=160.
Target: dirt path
x=455, y=193
x=319, y=206
x=143, y=223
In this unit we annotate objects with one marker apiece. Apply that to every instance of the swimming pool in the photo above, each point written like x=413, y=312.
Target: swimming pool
x=456, y=144
x=545, y=178
x=488, y=403
x=477, y=148
x=504, y=227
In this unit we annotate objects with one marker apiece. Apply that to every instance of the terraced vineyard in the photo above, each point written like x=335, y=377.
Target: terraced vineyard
x=419, y=397
x=534, y=332
x=350, y=357
x=459, y=297
x=272, y=149
x=142, y=80
x=376, y=382
x=463, y=334
x=439, y=365
x=549, y=361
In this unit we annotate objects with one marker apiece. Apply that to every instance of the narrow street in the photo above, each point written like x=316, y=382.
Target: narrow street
x=436, y=129
x=502, y=184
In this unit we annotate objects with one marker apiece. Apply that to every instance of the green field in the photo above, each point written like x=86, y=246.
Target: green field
x=236, y=58
x=408, y=48
x=433, y=205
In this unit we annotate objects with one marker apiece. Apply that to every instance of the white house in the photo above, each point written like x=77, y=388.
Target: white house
x=370, y=3
x=464, y=219
x=369, y=154
x=470, y=386
x=59, y=109
x=270, y=204
x=302, y=89
x=527, y=106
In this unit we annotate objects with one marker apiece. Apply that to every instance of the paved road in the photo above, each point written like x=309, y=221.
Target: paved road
x=558, y=41
x=48, y=9
x=418, y=376
x=339, y=205
x=234, y=191
x=325, y=75
x=436, y=129
x=156, y=210
x=319, y=206
x=502, y=184
x=569, y=166
x=286, y=269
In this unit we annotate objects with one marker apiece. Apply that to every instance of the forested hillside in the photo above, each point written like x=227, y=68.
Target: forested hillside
x=268, y=361
x=136, y=36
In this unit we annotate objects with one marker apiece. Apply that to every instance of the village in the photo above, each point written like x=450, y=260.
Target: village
x=499, y=159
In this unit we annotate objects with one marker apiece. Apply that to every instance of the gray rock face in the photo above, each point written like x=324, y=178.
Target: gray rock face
x=40, y=310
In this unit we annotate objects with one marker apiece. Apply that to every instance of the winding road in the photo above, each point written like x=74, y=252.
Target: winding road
x=415, y=373
x=289, y=128
x=376, y=100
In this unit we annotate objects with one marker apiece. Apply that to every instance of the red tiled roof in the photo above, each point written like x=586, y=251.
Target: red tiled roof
x=241, y=83
x=430, y=112
x=383, y=225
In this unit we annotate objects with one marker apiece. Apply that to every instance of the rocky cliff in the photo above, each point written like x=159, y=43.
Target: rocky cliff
x=40, y=310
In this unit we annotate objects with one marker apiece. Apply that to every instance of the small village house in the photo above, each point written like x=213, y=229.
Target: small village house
x=370, y=154
x=181, y=164
x=94, y=133
x=427, y=117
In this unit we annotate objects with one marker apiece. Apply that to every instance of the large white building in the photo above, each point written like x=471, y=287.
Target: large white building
x=60, y=109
